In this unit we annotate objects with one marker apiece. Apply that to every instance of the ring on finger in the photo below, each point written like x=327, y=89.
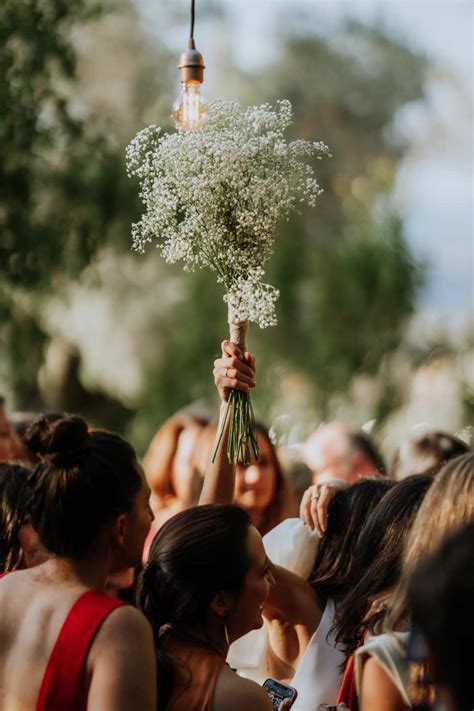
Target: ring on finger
x=226, y=372
x=314, y=497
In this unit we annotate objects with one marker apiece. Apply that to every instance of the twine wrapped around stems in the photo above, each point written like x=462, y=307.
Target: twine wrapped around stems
x=242, y=435
x=238, y=332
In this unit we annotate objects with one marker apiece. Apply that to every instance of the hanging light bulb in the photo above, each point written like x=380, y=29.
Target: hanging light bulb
x=190, y=110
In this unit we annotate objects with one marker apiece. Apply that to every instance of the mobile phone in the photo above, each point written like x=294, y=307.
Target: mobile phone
x=278, y=692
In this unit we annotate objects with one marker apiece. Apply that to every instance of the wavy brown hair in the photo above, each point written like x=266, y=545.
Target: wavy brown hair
x=333, y=570
x=159, y=457
x=13, y=512
x=378, y=558
x=448, y=505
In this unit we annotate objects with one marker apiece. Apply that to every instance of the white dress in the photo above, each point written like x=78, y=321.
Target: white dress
x=317, y=677
x=390, y=652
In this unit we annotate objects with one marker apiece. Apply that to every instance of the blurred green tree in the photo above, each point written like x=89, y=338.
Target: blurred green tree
x=347, y=279
x=63, y=188
x=50, y=216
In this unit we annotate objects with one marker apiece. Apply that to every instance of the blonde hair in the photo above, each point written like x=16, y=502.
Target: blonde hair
x=159, y=457
x=448, y=505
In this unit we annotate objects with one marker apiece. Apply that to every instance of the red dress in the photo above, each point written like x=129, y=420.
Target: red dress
x=63, y=687
x=347, y=692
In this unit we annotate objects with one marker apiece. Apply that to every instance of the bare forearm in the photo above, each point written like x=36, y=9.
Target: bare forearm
x=219, y=482
x=234, y=371
x=293, y=614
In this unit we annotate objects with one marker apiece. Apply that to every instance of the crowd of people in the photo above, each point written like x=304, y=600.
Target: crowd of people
x=183, y=583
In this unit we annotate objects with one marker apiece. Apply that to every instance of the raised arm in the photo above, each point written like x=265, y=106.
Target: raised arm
x=234, y=370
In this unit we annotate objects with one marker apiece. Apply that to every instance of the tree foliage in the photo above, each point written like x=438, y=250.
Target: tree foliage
x=347, y=279
x=61, y=178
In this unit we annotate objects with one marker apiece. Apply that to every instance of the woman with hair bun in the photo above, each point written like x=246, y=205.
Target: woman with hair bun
x=78, y=648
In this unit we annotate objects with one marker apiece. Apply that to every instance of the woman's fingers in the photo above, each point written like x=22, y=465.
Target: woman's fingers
x=228, y=374
x=233, y=363
x=231, y=349
x=234, y=368
x=315, y=510
x=314, y=507
x=305, y=508
x=250, y=360
x=231, y=383
x=234, y=371
x=326, y=495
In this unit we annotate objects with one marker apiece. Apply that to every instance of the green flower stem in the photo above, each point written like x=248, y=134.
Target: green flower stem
x=241, y=438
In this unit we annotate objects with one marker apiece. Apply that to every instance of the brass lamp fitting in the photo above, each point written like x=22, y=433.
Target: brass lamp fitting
x=191, y=65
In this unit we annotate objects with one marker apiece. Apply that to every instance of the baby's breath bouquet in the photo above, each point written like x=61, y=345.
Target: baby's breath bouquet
x=213, y=198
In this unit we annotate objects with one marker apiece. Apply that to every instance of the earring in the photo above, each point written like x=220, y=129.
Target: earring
x=226, y=634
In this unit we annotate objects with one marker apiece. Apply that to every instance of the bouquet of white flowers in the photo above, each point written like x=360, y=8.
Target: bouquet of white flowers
x=213, y=198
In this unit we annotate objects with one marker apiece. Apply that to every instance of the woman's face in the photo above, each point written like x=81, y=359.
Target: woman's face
x=247, y=612
x=182, y=473
x=138, y=523
x=255, y=484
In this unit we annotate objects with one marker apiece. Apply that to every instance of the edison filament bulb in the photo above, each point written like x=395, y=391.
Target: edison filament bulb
x=190, y=109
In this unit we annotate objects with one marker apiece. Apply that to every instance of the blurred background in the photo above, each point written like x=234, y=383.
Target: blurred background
x=375, y=314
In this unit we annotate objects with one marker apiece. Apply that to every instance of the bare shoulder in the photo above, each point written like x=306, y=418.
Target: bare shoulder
x=125, y=620
x=122, y=664
x=233, y=693
x=125, y=626
x=378, y=692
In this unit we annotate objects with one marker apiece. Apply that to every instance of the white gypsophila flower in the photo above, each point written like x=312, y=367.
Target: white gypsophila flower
x=213, y=197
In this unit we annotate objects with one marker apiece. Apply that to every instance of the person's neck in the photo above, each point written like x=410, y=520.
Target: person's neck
x=256, y=516
x=212, y=636
x=91, y=571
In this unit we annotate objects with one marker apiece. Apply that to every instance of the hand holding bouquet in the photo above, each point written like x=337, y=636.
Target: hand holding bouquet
x=213, y=198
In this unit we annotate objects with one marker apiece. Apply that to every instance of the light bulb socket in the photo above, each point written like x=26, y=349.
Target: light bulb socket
x=191, y=65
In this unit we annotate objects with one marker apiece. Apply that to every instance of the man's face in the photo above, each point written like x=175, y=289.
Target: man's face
x=6, y=440
x=326, y=453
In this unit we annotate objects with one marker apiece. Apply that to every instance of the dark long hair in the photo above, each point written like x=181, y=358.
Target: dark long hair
x=13, y=511
x=440, y=592
x=333, y=567
x=194, y=555
x=83, y=481
x=378, y=557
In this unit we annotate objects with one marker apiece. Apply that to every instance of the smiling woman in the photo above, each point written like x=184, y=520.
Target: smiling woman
x=203, y=587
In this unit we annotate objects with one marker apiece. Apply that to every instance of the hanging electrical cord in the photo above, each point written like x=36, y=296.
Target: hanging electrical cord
x=190, y=109
x=191, y=34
